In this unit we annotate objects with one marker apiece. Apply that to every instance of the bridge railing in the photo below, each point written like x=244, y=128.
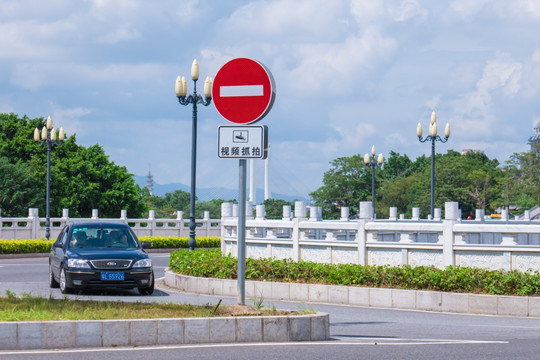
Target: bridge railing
x=498, y=244
x=33, y=226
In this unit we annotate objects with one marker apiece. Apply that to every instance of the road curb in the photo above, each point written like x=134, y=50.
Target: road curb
x=19, y=335
x=523, y=306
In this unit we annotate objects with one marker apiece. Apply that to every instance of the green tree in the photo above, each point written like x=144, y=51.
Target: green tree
x=18, y=189
x=214, y=206
x=399, y=194
x=473, y=180
x=82, y=178
x=274, y=208
x=522, y=179
x=346, y=184
x=178, y=199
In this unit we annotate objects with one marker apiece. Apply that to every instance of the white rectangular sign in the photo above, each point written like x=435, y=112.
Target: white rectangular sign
x=243, y=142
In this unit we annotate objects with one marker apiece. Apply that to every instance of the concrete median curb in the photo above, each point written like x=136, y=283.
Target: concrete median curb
x=362, y=296
x=18, y=335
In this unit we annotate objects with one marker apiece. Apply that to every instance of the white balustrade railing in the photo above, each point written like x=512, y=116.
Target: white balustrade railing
x=33, y=226
x=497, y=244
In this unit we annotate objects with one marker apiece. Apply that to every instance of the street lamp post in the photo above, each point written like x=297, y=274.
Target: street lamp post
x=184, y=99
x=371, y=162
x=433, y=137
x=48, y=138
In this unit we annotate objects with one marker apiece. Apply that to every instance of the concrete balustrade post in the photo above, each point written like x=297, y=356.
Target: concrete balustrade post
x=287, y=213
x=34, y=223
x=479, y=215
x=235, y=210
x=151, y=221
x=527, y=215
x=123, y=215
x=249, y=210
x=295, y=237
x=504, y=215
x=415, y=214
x=65, y=214
x=345, y=213
x=437, y=216
x=180, y=222
x=451, y=213
x=300, y=210
x=366, y=210
x=226, y=210
x=393, y=214
x=206, y=223
x=95, y=214
x=361, y=240
x=226, y=213
x=260, y=213
x=313, y=213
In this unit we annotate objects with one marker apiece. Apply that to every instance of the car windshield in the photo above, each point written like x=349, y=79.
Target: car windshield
x=102, y=236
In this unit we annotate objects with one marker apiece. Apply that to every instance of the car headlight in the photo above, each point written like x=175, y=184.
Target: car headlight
x=143, y=263
x=78, y=263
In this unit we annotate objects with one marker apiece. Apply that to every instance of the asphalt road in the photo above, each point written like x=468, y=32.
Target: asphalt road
x=357, y=333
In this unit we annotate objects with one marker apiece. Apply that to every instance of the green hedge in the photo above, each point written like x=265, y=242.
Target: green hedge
x=25, y=246
x=158, y=242
x=163, y=242
x=211, y=263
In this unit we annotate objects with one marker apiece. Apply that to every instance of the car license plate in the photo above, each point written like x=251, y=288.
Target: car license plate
x=112, y=275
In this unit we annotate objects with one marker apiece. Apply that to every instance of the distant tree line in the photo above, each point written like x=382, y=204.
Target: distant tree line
x=473, y=180
x=84, y=178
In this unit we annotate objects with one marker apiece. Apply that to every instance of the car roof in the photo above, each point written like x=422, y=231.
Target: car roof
x=98, y=224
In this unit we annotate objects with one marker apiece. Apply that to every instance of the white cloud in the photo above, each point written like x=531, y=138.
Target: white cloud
x=122, y=33
x=287, y=19
x=408, y=9
x=467, y=8
x=433, y=103
x=519, y=10
x=474, y=112
x=35, y=75
x=71, y=119
x=324, y=68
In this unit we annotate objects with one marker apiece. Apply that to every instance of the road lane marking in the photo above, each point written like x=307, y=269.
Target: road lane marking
x=229, y=345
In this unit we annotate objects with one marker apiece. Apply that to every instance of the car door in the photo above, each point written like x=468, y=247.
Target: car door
x=58, y=250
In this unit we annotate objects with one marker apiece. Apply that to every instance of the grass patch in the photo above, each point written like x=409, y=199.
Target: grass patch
x=211, y=263
x=32, y=308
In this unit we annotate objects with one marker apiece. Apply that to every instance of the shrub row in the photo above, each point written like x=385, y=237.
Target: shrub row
x=158, y=242
x=170, y=242
x=211, y=263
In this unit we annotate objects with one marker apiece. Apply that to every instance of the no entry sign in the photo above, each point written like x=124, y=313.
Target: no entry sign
x=243, y=91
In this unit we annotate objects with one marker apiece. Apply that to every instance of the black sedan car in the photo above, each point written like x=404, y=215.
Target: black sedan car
x=100, y=255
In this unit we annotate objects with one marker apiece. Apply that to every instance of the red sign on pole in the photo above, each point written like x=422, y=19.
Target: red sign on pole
x=243, y=91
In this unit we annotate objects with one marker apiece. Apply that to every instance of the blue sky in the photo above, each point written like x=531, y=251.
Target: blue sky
x=349, y=75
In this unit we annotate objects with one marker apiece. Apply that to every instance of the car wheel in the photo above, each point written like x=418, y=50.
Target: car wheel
x=147, y=290
x=63, y=282
x=52, y=281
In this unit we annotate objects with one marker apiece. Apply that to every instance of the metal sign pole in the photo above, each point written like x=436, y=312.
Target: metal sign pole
x=242, y=233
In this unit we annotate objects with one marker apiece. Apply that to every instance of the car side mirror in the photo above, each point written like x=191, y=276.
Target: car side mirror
x=57, y=243
x=146, y=244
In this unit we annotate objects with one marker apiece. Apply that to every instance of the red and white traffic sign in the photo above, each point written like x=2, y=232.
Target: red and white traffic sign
x=243, y=91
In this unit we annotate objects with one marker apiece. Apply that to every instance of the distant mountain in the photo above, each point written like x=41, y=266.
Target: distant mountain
x=206, y=194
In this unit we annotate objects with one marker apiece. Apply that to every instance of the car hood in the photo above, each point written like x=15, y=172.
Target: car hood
x=92, y=254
